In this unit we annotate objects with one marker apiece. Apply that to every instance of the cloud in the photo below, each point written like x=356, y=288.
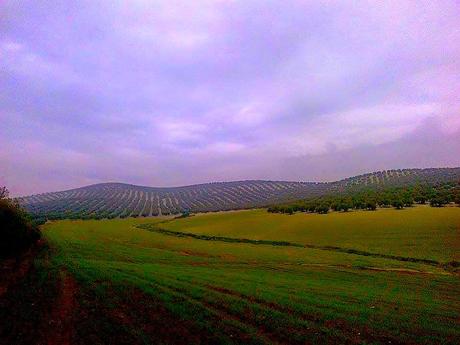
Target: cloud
x=179, y=92
x=176, y=131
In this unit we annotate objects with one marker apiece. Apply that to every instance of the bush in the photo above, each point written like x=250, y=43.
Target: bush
x=371, y=205
x=438, y=202
x=407, y=201
x=16, y=230
x=397, y=204
x=322, y=209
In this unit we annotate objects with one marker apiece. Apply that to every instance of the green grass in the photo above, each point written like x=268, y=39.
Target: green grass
x=420, y=232
x=252, y=293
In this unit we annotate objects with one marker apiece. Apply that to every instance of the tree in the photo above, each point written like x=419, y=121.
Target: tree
x=407, y=201
x=322, y=209
x=371, y=205
x=457, y=199
x=397, y=204
x=346, y=205
x=4, y=193
x=311, y=207
x=438, y=201
x=384, y=200
x=420, y=199
x=17, y=232
x=358, y=203
x=456, y=193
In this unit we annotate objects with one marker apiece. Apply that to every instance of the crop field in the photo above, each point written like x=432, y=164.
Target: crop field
x=256, y=278
x=419, y=232
x=118, y=200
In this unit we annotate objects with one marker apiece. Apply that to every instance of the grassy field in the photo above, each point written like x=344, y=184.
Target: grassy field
x=420, y=232
x=141, y=286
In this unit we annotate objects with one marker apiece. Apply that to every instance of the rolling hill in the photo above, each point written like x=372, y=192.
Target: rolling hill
x=110, y=200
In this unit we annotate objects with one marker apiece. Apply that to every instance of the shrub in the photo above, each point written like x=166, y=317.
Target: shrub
x=16, y=229
x=438, y=202
x=407, y=201
x=457, y=199
x=371, y=205
x=397, y=204
x=322, y=209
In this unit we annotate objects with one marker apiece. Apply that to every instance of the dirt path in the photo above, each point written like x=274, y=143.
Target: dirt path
x=61, y=322
x=14, y=270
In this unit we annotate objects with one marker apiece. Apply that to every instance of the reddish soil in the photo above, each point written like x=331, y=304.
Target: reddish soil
x=36, y=302
x=60, y=326
x=14, y=270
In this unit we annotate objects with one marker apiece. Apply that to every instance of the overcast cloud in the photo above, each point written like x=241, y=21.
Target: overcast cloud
x=166, y=93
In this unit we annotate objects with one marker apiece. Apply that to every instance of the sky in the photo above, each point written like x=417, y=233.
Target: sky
x=168, y=93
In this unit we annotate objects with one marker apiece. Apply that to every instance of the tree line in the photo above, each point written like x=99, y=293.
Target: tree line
x=437, y=195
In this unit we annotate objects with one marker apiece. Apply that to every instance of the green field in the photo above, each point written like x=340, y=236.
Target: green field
x=170, y=287
x=421, y=232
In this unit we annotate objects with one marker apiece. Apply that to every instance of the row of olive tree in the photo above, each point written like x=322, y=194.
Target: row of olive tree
x=436, y=195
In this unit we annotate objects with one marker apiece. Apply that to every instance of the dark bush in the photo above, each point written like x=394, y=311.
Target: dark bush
x=371, y=205
x=438, y=202
x=397, y=204
x=457, y=199
x=322, y=209
x=16, y=229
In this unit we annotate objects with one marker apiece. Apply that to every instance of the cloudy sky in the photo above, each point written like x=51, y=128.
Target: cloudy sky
x=165, y=93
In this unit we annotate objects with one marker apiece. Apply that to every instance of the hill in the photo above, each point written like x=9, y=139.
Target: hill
x=110, y=200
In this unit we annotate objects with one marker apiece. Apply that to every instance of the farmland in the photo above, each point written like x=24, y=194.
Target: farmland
x=118, y=200
x=136, y=285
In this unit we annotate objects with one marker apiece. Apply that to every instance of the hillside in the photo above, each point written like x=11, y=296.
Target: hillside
x=110, y=200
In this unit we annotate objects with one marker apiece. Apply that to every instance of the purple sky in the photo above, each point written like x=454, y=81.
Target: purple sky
x=168, y=92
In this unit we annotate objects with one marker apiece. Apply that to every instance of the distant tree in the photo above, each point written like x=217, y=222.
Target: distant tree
x=371, y=205
x=289, y=210
x=407, y=200
x=311, y=207
x=438, y=201
x=384, y=200
x=358, y=203
x=322, y=209
x=420, y=199
x=397, y=204
x=346, y=205
x=457, y=199
x=336, y=206
x=4, y=193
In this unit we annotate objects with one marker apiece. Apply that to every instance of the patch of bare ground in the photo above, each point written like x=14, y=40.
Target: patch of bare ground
x=127, y=315
x=14, y=270
x=59, y=327
x=36, y=300
x=29, y=290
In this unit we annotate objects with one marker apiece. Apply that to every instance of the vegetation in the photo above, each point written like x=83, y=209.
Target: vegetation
x=253, y=277
x=437, y=195
x=116, y=200
x=17, y=232
x=421, y=232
